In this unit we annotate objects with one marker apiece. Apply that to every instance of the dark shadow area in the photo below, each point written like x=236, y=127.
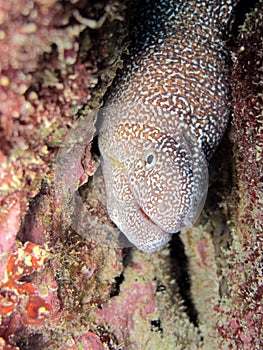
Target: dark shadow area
x=116, y=286
x=180, y=272
x=242, y=8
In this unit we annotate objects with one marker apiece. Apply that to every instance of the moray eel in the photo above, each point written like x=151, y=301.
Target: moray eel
x=163, y=118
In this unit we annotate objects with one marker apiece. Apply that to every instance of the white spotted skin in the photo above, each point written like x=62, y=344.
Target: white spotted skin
x=165, y=115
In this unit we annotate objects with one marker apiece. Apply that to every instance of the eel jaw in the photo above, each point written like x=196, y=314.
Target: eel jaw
x=138, y=227
x=126, y=213
x=146, y=216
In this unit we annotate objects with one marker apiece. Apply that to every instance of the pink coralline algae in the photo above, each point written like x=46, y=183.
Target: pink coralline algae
x=9, y=225
x=85, y=341
x=121, y=314
x=21, y=302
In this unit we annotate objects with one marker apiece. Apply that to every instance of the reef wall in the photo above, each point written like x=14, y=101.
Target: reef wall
x=58, y=289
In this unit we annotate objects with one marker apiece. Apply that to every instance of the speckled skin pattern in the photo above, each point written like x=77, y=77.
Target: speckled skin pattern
x=165, y=115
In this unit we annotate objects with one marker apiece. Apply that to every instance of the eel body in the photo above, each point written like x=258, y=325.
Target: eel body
x=164, y=117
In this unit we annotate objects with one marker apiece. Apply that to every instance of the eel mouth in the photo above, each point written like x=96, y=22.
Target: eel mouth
x=147, y=217
x=174, y=230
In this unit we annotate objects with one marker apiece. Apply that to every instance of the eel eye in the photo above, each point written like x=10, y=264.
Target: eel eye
x=150, y=158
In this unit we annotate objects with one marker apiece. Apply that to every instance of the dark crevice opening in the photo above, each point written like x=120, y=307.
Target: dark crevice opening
x=126, y=260
x=180, y=272
x=240, y=11
x=127, y=256
x=156, y=326
x=116, y=286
